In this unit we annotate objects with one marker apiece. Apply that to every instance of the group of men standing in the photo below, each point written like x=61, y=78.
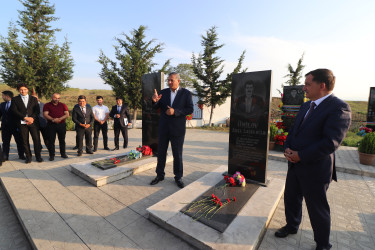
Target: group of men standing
x=23, y=115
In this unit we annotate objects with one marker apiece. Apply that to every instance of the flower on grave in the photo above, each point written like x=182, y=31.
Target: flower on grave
x=236, y=180
x=145, y=150
x=189, y=117
x=207, y=207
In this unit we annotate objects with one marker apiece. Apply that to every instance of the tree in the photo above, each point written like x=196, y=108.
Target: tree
x=294, y=76
x=135, y=57
x=187, y=76
x=208, y=68
x=36, y=59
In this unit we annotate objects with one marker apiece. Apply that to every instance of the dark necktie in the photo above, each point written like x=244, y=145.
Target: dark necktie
x=84, y=114
x=311, y=109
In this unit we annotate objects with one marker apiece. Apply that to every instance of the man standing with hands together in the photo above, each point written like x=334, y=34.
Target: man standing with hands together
x=101, y=113
x=319, y=128
x=175, y=103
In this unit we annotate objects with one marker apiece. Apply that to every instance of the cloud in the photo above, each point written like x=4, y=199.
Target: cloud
x=351, y=61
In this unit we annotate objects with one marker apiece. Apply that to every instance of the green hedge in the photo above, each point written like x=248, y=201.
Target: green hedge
x=367, y=144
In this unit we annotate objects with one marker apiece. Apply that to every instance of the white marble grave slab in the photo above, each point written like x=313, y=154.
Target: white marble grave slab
x=99, y=177
x=245, y=231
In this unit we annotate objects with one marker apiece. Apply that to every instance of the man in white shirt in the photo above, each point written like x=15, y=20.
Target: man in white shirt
x=101, y=113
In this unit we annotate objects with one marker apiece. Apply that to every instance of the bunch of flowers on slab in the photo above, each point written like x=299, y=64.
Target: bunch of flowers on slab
x=115, y=160
x=236, y=180
x=145, y=150
x=208, y=207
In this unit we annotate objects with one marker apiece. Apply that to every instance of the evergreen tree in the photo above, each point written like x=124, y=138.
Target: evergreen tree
x=135, y=59
x=187, y=76
x=294, y=76
x=208, y=68
x=36, y=59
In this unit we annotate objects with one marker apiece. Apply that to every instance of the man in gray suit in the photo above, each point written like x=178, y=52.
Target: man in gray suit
x=83, y=117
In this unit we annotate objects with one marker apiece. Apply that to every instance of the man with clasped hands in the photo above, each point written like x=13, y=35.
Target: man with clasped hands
x=83, y=117
x=175, y=103
x=319, y=128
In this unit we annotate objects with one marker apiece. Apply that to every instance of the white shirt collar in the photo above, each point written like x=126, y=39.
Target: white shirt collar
x=175, y=92
x=321, y=99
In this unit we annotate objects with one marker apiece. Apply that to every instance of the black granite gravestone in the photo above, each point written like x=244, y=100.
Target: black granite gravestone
x=293, y=98
x=371, y=109
x=249, y=125
x=150, y=116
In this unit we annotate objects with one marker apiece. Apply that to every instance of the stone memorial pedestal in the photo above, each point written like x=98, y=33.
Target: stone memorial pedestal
x=99, y=177
x=245, y=231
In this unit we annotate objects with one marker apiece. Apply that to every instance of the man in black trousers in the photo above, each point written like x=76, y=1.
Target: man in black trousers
x=25, y=109
x=175, y=103
x=9, y=127
x=122, y=120
x=319, y=128
x=83, y=118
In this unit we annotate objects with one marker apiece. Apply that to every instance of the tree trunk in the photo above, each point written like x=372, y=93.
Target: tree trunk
x=134, y=117
x=211, y=113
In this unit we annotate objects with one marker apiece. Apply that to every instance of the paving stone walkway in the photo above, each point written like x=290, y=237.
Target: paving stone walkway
x=58, y=203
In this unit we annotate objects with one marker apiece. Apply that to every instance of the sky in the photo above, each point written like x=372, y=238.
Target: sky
x=335, y=34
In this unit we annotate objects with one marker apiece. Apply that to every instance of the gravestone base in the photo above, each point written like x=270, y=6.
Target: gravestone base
x=245, y=231
x=99, y=177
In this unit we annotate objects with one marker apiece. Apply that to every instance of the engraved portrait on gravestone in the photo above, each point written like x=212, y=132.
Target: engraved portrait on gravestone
x=249, y=99
x=293, y=95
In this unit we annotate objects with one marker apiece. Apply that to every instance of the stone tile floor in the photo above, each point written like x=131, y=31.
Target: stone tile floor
x=121, y=206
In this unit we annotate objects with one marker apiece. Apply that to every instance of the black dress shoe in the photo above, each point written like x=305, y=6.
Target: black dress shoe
x=28, y=161
x=116, y=148
x=284, y=231
x=51, y=158
x=22, y=157
x=75, y=147
x=64, y=156
x=5, y=159
x=94, y=150
x=79, y=153
x=180, y=184
x=89, y=152
x=125, y=146
x=106, y=148
x=156, y=180
x=39, y=159
x=319, y=247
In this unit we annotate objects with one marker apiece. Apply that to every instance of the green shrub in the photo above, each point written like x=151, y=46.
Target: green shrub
x=367, y=144
x=351, y=139
x=273, y=131
x=69, y=124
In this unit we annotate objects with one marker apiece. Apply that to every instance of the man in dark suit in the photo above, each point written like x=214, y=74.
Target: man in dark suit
x=122, y=120
x=320, y=127
x=25, y=109
x=9, y=127
x=83, y=118
x=175, y=103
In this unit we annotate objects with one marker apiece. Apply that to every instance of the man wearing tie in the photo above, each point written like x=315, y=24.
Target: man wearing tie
x=319, y=128
x=122, y=120
x=83, y=118
x=175, y=104
x=25, y=109
x=9, y=127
